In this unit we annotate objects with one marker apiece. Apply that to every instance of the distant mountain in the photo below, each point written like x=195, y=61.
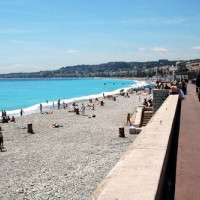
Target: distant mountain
x=111, y=69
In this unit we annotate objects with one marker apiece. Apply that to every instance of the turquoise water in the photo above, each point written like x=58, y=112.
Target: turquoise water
x=25, y=93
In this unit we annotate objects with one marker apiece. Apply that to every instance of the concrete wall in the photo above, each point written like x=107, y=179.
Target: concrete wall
x=139, y=174
x=159, y=97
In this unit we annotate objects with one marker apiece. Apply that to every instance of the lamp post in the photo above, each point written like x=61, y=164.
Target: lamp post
x=173, y=69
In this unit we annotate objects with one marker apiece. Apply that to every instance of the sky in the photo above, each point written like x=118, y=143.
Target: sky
x=38, y=35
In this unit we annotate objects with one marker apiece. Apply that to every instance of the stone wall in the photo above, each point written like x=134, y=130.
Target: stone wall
x=159, y=96
x=141, y=172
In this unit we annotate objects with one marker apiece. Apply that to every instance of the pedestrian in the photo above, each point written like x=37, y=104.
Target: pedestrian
x=64, y=105
x=82, y=109
x=128, y=118
x=41, y=108
x=1, y=141
x=21, y=112
x=58, y=103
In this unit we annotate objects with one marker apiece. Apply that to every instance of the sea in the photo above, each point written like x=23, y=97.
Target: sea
x=28, y=94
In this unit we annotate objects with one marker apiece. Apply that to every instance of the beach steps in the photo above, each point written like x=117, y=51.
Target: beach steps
x=147, y=115
x=143, y=116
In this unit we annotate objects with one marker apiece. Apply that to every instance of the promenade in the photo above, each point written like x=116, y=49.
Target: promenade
x=188, y=157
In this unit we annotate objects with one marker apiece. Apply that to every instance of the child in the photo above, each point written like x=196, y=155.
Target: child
x=129, y=118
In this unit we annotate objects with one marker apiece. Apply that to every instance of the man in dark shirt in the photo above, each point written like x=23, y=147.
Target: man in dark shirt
x=197, y=83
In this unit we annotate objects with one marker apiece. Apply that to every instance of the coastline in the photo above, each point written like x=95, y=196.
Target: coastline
x=140, y=82
x=67, y=162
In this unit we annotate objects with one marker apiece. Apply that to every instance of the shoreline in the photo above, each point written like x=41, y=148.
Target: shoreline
x=47, y=106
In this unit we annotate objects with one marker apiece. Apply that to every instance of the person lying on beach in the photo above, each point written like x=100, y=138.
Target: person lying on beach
x=12, y=119
x=21, y=127
x=1, y=141
x=91, y=107
x=74, y=110
x=56, y=126
x=92, y=116
x=46, y=113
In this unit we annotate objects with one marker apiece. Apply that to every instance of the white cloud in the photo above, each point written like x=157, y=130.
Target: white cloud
x=141, y=49
x=13, y=30
x=196, y=48
x=20, y=68
x=70, y=51
x=160, y=49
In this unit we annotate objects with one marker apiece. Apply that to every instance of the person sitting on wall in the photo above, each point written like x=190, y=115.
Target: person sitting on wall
x=166, y=86
x=145, y=102
x=150, y=103
x=174, y=90
x=157, y=85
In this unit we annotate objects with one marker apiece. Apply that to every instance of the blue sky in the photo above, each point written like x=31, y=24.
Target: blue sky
x=48, y=34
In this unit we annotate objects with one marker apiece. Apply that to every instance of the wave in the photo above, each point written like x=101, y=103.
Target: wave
x=49, y=105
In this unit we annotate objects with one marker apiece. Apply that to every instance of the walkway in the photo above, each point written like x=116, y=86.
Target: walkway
x=188, y=158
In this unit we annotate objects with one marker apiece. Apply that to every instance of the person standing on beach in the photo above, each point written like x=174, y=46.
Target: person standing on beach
x=82, y=109
x=128, y=118
x=1, y=141
x=41, y=108
x=21, y=112
x=58, y=103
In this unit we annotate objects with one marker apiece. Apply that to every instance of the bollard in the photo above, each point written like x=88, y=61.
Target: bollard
x=121, y=132
x=30, y=128
x=102, y=103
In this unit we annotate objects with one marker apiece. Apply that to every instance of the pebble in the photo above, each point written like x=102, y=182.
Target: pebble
x=68, y=162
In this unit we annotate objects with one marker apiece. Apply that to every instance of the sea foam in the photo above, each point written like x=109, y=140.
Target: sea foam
x=49, y=105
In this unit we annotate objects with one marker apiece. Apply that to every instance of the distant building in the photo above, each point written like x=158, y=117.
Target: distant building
x=193, y=66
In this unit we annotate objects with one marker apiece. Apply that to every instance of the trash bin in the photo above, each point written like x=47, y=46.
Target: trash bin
x=121, y=132
x=30, y=128
x=114, y=98
x=102, y=103
x=77, y=111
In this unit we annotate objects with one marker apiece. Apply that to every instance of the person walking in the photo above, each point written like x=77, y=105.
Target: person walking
x=128, y=118
x=1, y=141
x=41, y=108
x=21, y=112
x=58, y=103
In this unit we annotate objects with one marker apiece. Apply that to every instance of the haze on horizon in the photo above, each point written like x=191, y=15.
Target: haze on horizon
x=45, y=35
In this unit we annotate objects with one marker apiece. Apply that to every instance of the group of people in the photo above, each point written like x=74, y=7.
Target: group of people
x=5, y=118
x=178, y=87
x=148, y=103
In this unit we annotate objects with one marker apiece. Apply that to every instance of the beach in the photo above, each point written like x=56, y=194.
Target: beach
x=68, y=162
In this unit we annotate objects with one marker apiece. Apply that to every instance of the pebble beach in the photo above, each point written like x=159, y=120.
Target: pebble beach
x=68, y=162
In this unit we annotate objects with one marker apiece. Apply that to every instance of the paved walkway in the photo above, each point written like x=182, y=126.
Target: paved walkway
x=188, y=159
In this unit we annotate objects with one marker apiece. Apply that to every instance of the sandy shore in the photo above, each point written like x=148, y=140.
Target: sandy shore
x=67, y=162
